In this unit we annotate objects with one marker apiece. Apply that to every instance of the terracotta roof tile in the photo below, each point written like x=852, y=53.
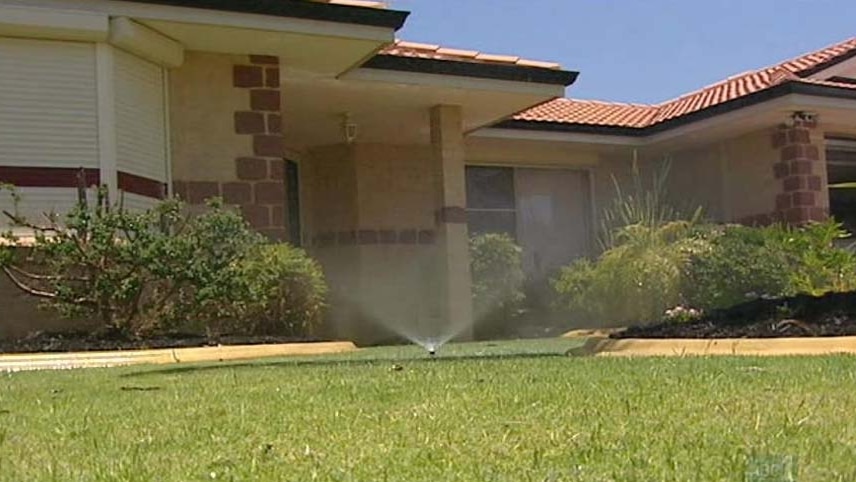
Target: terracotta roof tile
x=403, y=48
x=588, y=112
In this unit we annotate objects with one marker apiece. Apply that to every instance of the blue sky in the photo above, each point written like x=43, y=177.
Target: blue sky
x=636, y=50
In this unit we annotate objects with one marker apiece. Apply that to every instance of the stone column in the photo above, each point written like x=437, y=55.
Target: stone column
x=453, y=260
x=802, y=172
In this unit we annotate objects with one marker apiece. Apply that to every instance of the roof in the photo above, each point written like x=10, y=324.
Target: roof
x=434, y=59
x=340, y=11
x=642, y=117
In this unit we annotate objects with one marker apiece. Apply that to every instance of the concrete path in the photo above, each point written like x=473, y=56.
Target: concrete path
x=60, y=361
x=723, y=346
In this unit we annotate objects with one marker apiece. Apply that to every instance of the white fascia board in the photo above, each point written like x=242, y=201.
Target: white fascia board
x=145, y=42
x=144, y=11
x=50, y=23
x=454, y=82
x=553, y=136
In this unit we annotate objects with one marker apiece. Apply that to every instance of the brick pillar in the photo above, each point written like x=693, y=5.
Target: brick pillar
x=801, y=170
x=447, y=140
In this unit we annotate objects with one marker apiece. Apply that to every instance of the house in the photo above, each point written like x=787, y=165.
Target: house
x=380, y=156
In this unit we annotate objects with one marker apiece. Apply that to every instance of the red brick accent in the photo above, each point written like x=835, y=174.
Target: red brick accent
x=267, y=145
x=799, y=198
x=257, y=216
x=801, y=167
x=179, y=189
x=270, y=192
x=814, y=183
x=407, y=236
x=387, y=236
x=277, y=169
x=789, y=153
x=247, y=76
x=140, y=185
x=818, y=214
x=794, y=183
x=249, y=123
x=426, y=236
x=798, y=215
x=799, y=135
x=251, y=168
x=802, y=198
x=262, y=194
x=367, y=236
x=48, y=176
x=274, y=124
x=346, y=238
x=199, y=191
x=237, y=192
x=264, y=59
x=265, y=99
x=272, y=77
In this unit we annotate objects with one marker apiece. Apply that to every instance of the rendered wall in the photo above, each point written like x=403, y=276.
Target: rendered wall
x=225, y=116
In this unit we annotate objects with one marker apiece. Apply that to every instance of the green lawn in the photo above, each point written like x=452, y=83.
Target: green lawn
x=514, y=411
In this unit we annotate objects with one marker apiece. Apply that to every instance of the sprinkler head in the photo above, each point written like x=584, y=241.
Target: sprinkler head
x=432, y=351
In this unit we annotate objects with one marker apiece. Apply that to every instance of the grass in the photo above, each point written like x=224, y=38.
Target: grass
x=513, y=411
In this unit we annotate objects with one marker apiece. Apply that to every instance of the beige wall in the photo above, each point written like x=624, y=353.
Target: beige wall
x=202, y=128
x=751, y=186
x=368, y=189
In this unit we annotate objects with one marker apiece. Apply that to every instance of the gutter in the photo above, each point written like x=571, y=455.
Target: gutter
x=328, y=12
x=510, y=72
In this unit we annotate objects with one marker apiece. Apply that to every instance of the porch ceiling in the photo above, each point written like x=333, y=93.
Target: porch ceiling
x=394, y=109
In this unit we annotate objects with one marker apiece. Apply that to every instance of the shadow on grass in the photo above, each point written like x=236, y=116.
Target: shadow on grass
x=322, y=362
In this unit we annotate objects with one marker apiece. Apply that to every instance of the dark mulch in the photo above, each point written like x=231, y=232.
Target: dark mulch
x=832, y=314
x=87, y=341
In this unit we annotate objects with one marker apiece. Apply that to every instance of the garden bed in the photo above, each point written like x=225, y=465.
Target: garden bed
x=832, y=314
x=43, y=342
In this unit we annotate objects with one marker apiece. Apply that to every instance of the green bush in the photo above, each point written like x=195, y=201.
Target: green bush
x=286, y=289
x=745, y=262
x=652, y=270
x=637, y=280
x=162, y=270
x=497, y=276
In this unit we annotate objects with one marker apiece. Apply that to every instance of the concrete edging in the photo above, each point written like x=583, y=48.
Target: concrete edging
x=630, y=347
x=58, y=361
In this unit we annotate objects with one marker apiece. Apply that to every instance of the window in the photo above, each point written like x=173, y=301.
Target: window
x=841, y=170
x=491, y=206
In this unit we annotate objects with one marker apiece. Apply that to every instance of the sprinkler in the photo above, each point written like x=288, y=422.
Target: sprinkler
x=432, y=349
x=432, y=352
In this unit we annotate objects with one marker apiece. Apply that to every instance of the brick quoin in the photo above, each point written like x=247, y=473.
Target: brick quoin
x=251, y=168
x=249, y=123
x=247, y=76
x=200, y=191
x=237, y=192
x=799, y=198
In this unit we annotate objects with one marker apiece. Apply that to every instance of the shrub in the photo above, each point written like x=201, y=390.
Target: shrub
x=161, y=270
x=497, y=276
x=745, y=262
x=286, y=289
x=637, y=280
